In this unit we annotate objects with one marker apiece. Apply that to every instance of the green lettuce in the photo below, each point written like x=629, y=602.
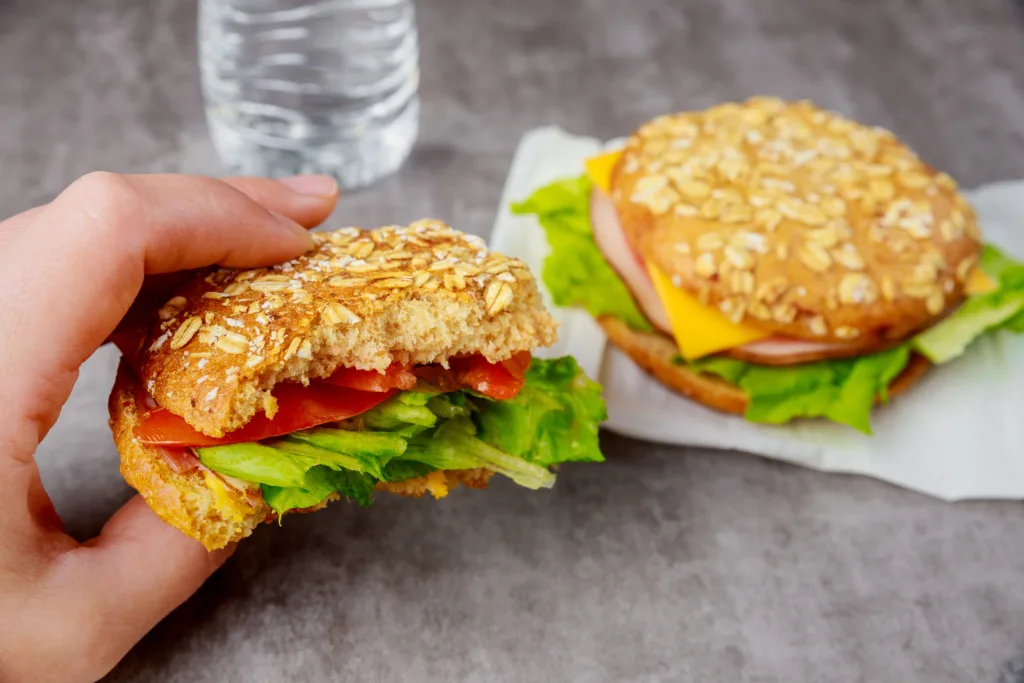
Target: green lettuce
x=341, y=449
x=554, y=419
x=1002, y=308
x=256, y=462
x=400, y=470
x=1014, y=324
x=455, y=446
x=842, y=390
x=575, y=272
x=320, y=482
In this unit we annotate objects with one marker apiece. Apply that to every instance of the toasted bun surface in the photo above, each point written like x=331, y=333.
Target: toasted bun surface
x=797, y=220
x=416, y=294
x=654, y=353
x=187, y=501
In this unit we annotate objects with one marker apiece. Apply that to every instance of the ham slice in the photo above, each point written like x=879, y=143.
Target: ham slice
x=788, y=351
x=181, y=460
x=611, y=240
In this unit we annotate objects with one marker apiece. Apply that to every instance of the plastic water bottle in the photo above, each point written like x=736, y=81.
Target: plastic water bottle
x=311, y=86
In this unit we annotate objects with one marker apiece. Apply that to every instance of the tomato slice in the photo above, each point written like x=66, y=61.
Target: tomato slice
x=395, y=377
x=347, y=393
x=500, y=381
x=490, y=379
x=298, y=407
x=518, y=364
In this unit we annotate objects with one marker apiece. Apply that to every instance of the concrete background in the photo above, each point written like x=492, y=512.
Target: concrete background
x=665, y=563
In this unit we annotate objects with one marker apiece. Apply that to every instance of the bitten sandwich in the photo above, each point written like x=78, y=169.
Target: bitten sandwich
x=777, y=260
x=395, y=359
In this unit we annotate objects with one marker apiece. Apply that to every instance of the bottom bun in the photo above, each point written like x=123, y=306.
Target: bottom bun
x=654, y=353
x=188, y=501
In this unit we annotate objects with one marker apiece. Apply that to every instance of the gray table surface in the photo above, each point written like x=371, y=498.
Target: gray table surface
x=665, y=563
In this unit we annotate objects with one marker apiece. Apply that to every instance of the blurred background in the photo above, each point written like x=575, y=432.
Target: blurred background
x=665, y=564
x=114, y=84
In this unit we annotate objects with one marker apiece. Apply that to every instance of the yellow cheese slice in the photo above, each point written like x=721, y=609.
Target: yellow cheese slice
x=979, y=283
x=600, y=169
x=225, y=502
x=698, y=329
x=437, y=484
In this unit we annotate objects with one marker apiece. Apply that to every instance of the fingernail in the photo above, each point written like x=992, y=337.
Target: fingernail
x=294, y=227
x=315, y=185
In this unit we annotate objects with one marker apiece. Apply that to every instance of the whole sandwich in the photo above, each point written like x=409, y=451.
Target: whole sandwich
x=396, y=359
x=774, y=259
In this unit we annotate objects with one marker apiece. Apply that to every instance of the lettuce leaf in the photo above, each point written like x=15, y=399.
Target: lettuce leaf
x=255, y=462
x=575, y=272
x=400, y=470
x=1002, y=308
x=320, y=482
x=455, y=446
x=998, y=265
x=1014, y=324
x=398, y=414
x=342, y=449
x=842, y=390
x=554, y=418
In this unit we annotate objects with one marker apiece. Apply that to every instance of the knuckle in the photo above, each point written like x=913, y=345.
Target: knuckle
x=107, y=198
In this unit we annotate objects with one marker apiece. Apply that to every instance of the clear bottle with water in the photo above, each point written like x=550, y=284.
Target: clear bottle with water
x=311, y=86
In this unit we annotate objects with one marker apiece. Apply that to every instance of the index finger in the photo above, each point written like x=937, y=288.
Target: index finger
x=70, y=278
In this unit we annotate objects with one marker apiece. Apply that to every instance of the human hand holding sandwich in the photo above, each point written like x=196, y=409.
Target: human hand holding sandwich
x=70, y=273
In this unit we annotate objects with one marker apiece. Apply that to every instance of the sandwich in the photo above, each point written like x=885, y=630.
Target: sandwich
x=776, y=260
x=397, y=359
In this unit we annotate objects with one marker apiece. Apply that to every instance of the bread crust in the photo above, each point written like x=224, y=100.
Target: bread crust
x=361, y=298
x=797, y=221
x=654, y=353
x=187, y=501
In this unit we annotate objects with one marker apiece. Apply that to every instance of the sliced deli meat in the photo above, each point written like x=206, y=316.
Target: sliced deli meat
x=610, y=238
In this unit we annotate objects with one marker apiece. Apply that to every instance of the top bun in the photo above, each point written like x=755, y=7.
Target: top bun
x=797, y=220
x=361, y=298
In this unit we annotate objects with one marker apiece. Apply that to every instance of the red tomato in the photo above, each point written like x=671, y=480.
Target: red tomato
x=298, y=407
x=500, y=381
x=490, y=379
x=518, y=364
x=395, y=377
x=346, y=393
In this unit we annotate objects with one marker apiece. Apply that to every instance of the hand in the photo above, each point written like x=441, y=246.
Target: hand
x=70, y=271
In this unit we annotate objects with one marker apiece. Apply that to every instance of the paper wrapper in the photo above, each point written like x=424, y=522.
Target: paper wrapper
x=958, y=434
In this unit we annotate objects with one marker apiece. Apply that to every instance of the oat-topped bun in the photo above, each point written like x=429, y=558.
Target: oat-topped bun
x=797, y=220
x=362, y=298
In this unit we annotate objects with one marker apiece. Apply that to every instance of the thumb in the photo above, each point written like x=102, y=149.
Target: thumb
x=131, y=576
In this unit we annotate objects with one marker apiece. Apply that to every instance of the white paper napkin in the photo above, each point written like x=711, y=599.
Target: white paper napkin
x=958, y=434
